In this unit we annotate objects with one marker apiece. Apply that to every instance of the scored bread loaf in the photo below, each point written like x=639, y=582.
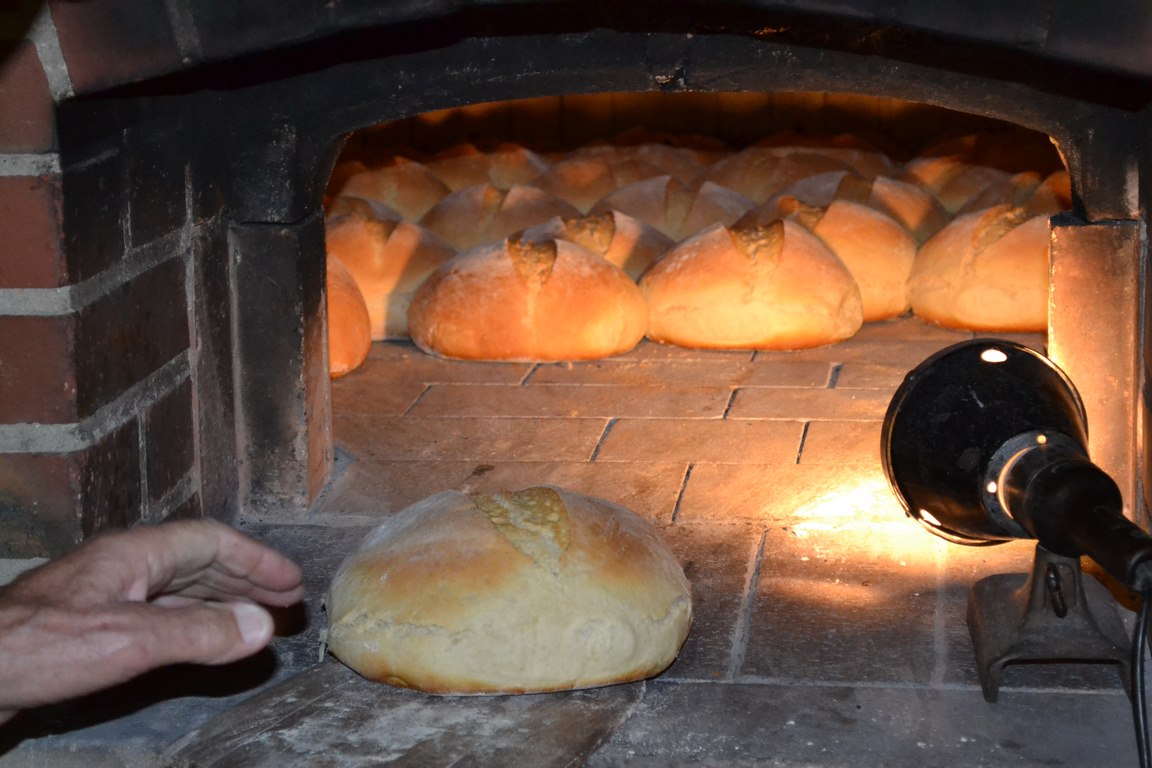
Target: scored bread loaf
x=623, y=240
x=502, y=166
x=771, y=287
x=677, y=209
x=484, y=213
x=403, y=185
x=388, y=260
x=986, y=271
x=544, y=589
x=349, y=334
x=527, y=300
x=877, y=250
x=583, y=179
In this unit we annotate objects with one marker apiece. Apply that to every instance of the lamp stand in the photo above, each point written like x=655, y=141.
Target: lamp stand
x=1052, y=614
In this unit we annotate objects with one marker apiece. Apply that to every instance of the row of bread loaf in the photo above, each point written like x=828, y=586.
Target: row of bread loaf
x=748, y=282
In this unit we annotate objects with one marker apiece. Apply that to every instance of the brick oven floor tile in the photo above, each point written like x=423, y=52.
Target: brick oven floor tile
x=355, y=394
x=842, y=442
x=854, y=602
x=717, y=560
x=814, y=404
x=575, y=401
x=650, y=350
x=367, y=491
x=375, y=438
x=403, y=361
x=716, y=371
x=701, y=440
x=794, y=493
x=739, y=726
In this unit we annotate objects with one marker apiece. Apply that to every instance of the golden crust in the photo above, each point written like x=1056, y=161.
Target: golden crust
x=524, y=300
x=446, y=599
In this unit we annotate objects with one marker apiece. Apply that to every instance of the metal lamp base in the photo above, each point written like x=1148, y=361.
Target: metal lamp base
x=1052, y=614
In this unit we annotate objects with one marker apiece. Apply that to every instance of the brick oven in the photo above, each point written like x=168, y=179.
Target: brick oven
x=162, y=175
x=162, y=167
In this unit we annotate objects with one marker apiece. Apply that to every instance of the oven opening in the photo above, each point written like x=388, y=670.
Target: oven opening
x=685, y=430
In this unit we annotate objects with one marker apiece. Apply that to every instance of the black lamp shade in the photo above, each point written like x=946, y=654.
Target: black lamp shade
x=954, y=421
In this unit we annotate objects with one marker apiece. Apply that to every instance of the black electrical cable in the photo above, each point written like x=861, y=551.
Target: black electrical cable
x=1140, y=636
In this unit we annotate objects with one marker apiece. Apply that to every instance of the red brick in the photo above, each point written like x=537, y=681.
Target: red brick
x=37, y=379
x=28, y=121
x=30, y=232
x=114, y=42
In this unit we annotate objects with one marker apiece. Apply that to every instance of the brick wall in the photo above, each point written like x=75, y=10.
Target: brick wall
x=98, y=252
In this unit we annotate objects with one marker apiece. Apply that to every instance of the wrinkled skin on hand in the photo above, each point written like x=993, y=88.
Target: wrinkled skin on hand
x=127, y=602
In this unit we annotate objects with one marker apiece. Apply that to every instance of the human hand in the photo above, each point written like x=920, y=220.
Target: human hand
x=130, y=601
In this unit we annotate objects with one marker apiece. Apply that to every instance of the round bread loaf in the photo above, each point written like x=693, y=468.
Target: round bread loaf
x=485, y=213
x=758, y=173
x=627, y=242
x=388, y=260
x=538, y=590
x=403, y=185
x=349, y=337
x=877, y=250
x=504, y=165
x=583, y=179
x=986, y=271
x=527, y=300
x=678, y=210
x=771, y=287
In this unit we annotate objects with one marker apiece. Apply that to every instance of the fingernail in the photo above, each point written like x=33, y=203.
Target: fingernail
x=254, y=623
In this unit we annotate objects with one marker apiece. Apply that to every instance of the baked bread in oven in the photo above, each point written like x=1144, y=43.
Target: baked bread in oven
x=349, y=337
x=527, y=300
x=986, y=271
x=543, y=589
x=389, y=260
x=771, y=287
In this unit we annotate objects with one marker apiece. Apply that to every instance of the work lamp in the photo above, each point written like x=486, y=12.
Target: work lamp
x=986, y=441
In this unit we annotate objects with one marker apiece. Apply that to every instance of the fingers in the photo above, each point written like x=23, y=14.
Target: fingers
x=53, y=654
x=197, y=558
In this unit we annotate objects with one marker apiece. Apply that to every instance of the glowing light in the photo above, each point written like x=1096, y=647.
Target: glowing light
x=993, y=355
x=928, y=517
x=1041, y=439
x=991, y=487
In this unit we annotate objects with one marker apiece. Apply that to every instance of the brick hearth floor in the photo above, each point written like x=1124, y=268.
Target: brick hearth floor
x=829, y=629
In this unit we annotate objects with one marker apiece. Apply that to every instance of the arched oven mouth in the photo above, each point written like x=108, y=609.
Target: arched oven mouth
x=190, y=321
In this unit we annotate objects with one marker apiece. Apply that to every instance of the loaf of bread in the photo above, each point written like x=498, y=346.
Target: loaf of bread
x=542, y=589
x=388, y=260
x=506, y=164
x=771, y=287
x=525, y=300
x=1028, y=190
x=952, y=180
x=404, y=185
x=914, y=207
x=862, y=156
x=877, y=250
x=676, y=209
x=758, y=173
x=484, y=213
x=986, y=271
x=349, y=337
x=623, y=240
x=585, y=179
x=350, y=205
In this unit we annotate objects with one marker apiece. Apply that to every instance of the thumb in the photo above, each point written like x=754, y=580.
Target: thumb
x=210, y=633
